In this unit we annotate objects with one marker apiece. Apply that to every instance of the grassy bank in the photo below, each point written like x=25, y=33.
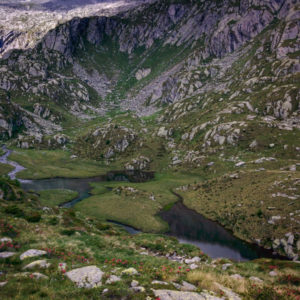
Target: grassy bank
x=56, y=197
x=135, y=204
x=56, y=163
x=246, y=202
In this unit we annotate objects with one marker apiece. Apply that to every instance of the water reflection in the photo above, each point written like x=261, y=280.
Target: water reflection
x=82, y=185
x=192, y=228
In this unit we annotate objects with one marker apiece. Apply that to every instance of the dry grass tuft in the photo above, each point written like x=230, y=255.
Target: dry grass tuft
x=206, y=280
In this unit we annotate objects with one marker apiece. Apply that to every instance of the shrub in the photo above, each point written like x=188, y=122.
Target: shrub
x=102, y=226
x=14, y=210
x=289, y=279
x=33, y=217
x=53, y=221
x=67, y=232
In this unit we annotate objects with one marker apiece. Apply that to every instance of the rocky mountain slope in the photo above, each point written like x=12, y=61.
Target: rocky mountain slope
x=205, y=86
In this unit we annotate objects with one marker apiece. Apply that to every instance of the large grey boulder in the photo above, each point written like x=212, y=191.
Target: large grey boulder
x=32, y=253
x=176, y=295
x=229, y=293
x=186, y=286
x=6, y=254
x=87, y=277
x=38, y=264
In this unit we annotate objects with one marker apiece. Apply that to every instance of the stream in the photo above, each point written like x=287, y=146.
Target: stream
x=185, y=224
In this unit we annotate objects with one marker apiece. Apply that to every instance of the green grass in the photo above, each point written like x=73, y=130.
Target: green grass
x=136, y=208
x=5, y=169
x=56, y=197
x=55, y=163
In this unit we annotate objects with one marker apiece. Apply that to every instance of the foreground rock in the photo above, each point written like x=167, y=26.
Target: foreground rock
x=35, y=275
x=175, y=295
x=6, y=254
x=113, y=279
x=38, y=264
x=32, y=253
x=87, y=277
x=229, y=293
x=130, y=271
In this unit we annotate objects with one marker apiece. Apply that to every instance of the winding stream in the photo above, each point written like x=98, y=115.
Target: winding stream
x=17, y=168
x=185, y=224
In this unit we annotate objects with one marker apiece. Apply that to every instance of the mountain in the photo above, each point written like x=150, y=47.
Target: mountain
x=204, y=93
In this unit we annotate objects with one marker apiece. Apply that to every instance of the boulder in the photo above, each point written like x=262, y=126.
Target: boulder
x=134, y=283
x=187, y=287
x=237, y=276
x=32, y=253
x=38, y=264
x=177, y=295
x=87, y=277
x=256, y=279
x=229, y=293
x=142, y=73
x=138, y=289
x=159, y=282
x=193, y=266
x=35, y=275
x=130, y=271
x=6, y=240
x=273, y=274
x=226, y=266
x=193, y=260
x=6, y=254
x=112, y=279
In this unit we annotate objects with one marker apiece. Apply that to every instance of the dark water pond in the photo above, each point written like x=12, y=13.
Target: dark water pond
x=82, y=185
x=192, y=228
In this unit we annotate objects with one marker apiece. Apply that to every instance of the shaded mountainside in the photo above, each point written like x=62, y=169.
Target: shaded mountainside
x=210, y=87
x=161, y=53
